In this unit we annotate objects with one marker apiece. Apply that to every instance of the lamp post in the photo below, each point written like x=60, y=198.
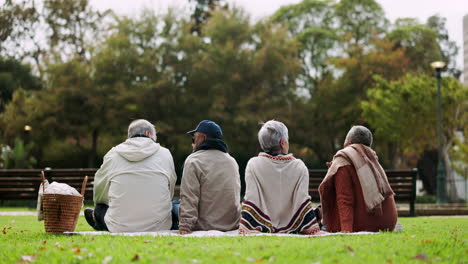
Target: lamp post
x=441, y=190
x=27, y=131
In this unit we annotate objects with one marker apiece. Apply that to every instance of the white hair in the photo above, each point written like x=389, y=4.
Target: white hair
x=139, y=127
x=270, y=135
x=359, y=135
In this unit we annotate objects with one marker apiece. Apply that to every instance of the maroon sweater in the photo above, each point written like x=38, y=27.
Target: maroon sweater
x=348, y=210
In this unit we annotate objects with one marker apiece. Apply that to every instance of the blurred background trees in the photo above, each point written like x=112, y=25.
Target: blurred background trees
x=78, y=77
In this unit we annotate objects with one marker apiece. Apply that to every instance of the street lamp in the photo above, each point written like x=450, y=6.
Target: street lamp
x=27, y=131
x=441, y=191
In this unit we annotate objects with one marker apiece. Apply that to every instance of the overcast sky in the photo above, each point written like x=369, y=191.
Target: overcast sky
x=453, y=10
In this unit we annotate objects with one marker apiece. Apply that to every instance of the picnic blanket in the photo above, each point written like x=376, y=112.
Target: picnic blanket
x=211, y=233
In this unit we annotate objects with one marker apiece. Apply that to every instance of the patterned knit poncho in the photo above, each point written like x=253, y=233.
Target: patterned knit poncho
x=276, y=198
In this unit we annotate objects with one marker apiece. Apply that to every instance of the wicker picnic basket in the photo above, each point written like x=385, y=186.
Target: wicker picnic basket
x=61, y=211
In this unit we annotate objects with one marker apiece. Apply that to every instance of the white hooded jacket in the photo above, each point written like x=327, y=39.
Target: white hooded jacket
x=137, y=181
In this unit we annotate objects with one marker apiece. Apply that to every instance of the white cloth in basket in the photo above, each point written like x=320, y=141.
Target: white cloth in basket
x=61, y=188
x=56, y=188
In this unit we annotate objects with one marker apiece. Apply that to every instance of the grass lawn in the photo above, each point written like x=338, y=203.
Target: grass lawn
x=425, y=240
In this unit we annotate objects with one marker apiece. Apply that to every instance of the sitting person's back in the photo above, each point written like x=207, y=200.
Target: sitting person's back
x=135, y=185
x=350, y=214
x=355, y=193
x=276, y=198
x=210, y=188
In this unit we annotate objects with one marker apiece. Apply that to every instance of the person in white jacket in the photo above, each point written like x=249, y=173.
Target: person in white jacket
x=134, y=187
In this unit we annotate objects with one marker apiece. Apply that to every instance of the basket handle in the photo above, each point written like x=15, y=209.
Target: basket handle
x=83, y=187
x=43, y=178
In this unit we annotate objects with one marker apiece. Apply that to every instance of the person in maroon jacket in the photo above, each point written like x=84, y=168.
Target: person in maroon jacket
x=355, y=193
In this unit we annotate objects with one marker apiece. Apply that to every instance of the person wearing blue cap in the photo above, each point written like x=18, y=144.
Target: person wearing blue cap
x=210, y=188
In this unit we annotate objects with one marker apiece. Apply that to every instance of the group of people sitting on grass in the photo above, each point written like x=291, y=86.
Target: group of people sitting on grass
x=134, y=187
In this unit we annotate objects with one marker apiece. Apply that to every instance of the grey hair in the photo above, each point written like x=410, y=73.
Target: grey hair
x=270, y=135
x=139, y=127
x=360, y=135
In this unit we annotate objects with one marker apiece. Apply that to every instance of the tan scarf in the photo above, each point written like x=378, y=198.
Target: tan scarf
x=372, y=177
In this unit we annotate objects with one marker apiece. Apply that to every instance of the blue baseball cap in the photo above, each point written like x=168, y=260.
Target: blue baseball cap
x=209, y=128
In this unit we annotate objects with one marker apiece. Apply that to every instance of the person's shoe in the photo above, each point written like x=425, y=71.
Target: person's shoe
x=89, y=216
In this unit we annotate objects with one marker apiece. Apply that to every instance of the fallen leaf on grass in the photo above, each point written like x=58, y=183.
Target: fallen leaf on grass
x=425, y=241
x=350, y=249
x=255, y=260
x=389, y=261
x=136, y=257
x=271, y=259
x=420, y=256
x=77, y=250
x=409, y=237
x=42, y=248
x=44, y=242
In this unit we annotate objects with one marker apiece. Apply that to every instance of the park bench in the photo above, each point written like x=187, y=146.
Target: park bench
x=23, y=184
x=403, y=183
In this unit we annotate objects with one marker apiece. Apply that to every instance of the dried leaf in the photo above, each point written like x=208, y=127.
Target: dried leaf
x=389, y=261
x=425, y=242
x=409, y=237
x=271, y=259
x=77, y=250
x=421, y=256
x=350, y=249
x=260, y=260
x=136, y=257
x=4, y=230
x=42, y=248
x=44, y=242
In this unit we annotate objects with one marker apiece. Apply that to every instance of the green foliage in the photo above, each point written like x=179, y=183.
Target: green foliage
x=18, y=157
x=25, y=236
x=419, y=43
x=404, y=111
x=14, y=76
x=310, y=65
x=202, y=12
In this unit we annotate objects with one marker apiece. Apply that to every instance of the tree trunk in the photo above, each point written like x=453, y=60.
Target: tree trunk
x=451, y=189
x=393, y=155
x=427, y=168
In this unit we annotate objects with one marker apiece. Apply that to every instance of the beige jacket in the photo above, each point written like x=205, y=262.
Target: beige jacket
x=210, y=192
x=137, y=181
